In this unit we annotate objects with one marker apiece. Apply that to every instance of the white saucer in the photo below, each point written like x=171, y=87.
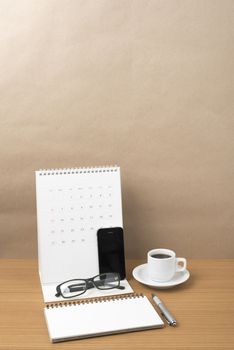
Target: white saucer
x=140, y=273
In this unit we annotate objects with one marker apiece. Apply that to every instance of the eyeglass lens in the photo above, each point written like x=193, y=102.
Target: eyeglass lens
x=73, y=288
x=107, y=281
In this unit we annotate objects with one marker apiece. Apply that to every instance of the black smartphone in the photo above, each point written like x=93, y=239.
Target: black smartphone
x=111, y=250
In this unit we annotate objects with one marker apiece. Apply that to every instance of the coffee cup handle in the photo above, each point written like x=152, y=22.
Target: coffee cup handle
x=179, y=267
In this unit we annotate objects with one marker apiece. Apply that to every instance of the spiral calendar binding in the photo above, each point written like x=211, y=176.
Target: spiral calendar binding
x=79, y=170
x=93, y=300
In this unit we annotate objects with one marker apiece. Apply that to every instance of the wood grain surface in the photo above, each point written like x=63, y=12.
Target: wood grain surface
x=203, y=306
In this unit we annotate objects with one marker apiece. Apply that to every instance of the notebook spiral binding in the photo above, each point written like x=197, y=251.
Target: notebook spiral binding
x=93, y=300
x=81, y=170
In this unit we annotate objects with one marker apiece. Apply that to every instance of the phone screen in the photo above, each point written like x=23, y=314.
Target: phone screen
x=111, y=250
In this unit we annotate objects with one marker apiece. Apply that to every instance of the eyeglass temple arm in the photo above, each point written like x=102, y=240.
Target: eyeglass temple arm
x=76, y=288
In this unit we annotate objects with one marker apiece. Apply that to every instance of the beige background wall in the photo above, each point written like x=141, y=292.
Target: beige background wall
x=147, y=85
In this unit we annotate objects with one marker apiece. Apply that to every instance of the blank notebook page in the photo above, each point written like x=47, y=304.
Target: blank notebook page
x=114, y=315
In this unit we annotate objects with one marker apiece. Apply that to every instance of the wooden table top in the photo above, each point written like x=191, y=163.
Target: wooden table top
x=203, y=306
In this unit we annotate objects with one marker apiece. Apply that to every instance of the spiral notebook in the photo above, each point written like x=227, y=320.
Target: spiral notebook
x=84, y=319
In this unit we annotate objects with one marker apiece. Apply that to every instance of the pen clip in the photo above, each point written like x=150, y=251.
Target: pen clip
x=165, y=318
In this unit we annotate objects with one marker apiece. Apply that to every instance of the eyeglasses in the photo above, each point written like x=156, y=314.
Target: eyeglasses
x=76, y=287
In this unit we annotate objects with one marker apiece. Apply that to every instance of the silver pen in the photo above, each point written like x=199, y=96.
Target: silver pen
x=170, y=319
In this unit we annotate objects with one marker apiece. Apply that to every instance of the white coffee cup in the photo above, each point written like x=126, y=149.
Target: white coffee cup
x=163, y=264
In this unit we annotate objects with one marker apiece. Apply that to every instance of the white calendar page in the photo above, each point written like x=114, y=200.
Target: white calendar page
x=72, y=204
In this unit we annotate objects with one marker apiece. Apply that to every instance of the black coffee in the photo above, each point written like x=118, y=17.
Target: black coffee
x=160, y=256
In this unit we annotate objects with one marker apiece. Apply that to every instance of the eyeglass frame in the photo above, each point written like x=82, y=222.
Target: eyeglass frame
x=86, y=280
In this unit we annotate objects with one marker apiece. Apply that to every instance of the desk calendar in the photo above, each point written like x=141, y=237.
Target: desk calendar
x=72, y=204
